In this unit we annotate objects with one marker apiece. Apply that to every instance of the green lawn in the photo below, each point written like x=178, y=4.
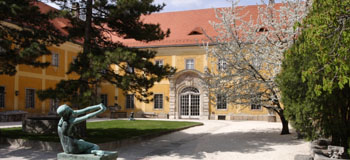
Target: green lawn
x=106, y=131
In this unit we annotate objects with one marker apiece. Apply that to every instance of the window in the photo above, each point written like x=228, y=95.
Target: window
x=262, y=29
x=221, y=117
x=2, y=97
x=54, y=103
x=190, y=89
x=30, y=98
x=221, y=101
x=74, y=58
x=256, y=63
x=196, y=31
x=189, y=64
x=129, y=69
x=130, y=101
x=222, y=65
x=55, y=58
x=159, y=63
x=256, y=101
x=255, y=107
x=158, y=101
x=2, y=50
x=104, y=99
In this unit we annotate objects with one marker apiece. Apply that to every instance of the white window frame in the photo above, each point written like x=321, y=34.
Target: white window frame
x=55, y=59
x=158, y=101
x=30, y=101
x=256, y=63
x=104, y=99
x=256, y=107
x=129, y=69
x=130, y=103
x=73, y=59
x=222, y=65
x=2, y=50
x=2, y=97
x=221, y=102
x=159, y=62
x=54, y=103
x=189, y=64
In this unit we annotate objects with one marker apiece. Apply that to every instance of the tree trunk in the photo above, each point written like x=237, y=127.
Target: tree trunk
x=285, y=127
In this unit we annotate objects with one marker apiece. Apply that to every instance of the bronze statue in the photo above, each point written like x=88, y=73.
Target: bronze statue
x=69, y=118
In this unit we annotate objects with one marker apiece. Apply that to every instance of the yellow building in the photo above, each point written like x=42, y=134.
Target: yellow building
x=184, y=95
x=19, y=92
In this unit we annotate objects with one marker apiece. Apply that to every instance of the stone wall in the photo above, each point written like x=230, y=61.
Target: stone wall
x=11, y=116
x=269, y=118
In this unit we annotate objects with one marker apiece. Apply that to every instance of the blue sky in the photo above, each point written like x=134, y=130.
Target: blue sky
x=182, y=5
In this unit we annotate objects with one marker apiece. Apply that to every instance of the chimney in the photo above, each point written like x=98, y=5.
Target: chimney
x=75, y=9
x=271, y=1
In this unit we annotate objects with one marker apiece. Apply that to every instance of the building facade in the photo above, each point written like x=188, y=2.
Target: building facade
x=184, y=95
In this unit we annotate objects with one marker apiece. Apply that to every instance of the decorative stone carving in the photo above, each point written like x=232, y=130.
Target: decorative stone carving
x=181, y=80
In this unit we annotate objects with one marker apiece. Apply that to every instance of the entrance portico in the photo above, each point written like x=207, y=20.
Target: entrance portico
x=188, y=95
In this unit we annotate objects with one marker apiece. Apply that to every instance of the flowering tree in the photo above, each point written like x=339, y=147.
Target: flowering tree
x=248, y=51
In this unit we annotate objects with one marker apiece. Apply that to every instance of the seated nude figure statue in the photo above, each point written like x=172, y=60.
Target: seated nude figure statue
x=69, y=118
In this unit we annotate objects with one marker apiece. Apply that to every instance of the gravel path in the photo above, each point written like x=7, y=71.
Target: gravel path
x=214, y=140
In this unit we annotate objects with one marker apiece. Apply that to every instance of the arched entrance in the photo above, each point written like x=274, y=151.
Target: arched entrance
x=188, y=97
x=189, y=103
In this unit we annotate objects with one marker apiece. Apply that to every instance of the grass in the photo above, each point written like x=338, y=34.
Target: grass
x=107, y=131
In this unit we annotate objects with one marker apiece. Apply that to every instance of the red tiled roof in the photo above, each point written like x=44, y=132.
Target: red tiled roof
x=182, y=23
x=59, y=23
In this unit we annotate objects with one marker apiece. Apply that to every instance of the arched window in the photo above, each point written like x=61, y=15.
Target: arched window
x=190, y=89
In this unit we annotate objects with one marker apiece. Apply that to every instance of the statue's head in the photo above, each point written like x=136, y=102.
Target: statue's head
x=64, y=111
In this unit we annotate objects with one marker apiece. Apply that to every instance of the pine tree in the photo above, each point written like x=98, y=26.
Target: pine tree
x=315, y=81
x=96, y=22
x=25, y=32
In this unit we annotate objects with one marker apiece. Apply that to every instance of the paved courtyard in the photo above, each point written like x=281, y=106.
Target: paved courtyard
x=214, y=140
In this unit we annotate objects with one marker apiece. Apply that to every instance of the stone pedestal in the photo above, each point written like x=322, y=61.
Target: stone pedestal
x=106, y=156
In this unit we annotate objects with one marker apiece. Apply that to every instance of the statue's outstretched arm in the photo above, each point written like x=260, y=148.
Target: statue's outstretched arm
x=101, y=108
x=85, y=110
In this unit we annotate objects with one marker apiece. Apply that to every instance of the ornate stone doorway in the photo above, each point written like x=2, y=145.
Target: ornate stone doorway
x=188, y=95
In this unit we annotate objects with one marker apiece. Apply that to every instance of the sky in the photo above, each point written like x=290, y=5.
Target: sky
x=182, y=5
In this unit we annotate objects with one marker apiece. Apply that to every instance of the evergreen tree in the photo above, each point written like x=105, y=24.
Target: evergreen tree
x=315, y=80
x=25, y=32
x=96, y=23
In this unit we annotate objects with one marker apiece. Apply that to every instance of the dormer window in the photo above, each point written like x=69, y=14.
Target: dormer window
x=196, y=31
x=262, y=29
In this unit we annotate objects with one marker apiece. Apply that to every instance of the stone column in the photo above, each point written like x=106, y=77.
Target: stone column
x=172, y=100
x=205, y=105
